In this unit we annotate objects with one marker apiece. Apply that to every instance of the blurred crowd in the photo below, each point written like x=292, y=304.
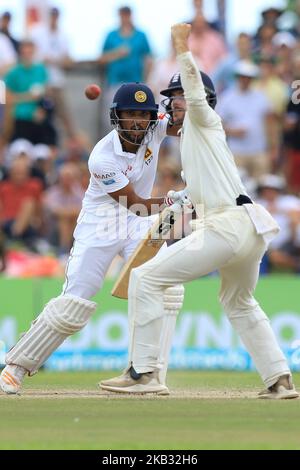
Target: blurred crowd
x=43, y=156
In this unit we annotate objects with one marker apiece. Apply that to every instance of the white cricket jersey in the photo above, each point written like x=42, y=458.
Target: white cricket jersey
x=211, y=174
x=112, y=169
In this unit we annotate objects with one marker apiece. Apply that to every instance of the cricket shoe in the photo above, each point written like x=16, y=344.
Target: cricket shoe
x=11, y=379
x=284, y=389
x=133, y=383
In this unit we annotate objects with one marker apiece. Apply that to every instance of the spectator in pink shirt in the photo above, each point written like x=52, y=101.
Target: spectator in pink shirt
x=207, y=45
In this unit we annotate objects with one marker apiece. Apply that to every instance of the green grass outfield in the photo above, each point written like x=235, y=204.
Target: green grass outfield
x=208, y=410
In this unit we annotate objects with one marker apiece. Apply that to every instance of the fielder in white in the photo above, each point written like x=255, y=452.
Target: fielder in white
x=231, y=236
x=123, y=167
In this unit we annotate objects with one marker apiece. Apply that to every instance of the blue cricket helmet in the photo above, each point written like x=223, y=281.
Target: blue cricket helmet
x=134, y=96
x=175, y=84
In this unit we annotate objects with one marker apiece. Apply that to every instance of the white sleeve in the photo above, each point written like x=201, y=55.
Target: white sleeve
x=161, y=128
x=198, y=109
x=108, y=176
x=7, y=52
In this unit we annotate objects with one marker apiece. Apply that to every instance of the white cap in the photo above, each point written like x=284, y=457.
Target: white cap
x=274, y=4
x=284, y=38
x=41, y=152
x=246, y=69
x=19, y=147
x=272, y=182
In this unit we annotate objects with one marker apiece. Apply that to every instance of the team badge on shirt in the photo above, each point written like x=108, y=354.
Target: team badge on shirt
x=108, y=182
x=140, y=96
x=148, y=156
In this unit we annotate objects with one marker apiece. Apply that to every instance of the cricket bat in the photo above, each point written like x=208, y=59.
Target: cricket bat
x=146, y=249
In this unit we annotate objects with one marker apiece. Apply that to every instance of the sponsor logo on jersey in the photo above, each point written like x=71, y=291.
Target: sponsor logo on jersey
x=140, y=96
x=148, y=156
x=108, y=182
x=161, y=116
x=104, y=176
x=129, y=168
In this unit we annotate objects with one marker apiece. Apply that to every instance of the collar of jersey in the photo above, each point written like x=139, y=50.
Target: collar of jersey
x=118, y=147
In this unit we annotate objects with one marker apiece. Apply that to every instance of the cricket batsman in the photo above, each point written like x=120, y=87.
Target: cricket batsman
x=231, y=235
x=115, y=215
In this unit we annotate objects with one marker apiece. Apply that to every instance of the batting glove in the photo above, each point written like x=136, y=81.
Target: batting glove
x=177, y=200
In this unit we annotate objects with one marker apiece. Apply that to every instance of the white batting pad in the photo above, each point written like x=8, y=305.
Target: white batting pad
x=61, y=317
x=173, y=301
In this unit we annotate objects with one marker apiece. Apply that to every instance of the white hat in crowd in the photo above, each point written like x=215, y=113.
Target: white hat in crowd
x=272, y=182
x=245, y=68
x=284, y=38
x=41, y=152
x=19, y=147
x=278, y=5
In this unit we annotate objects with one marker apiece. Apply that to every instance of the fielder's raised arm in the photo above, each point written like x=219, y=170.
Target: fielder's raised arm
x=196, y=92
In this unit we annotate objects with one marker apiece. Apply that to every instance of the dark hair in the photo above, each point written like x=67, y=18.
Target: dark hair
x=7, y=15
x=54, y=11
x=126, y=10
x=277, y=11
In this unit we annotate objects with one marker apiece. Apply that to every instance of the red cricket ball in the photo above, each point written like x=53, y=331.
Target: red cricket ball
x=92, y=92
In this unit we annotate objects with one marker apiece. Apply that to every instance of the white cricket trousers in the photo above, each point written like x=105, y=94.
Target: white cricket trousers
x=92, y=253
x=225, y=241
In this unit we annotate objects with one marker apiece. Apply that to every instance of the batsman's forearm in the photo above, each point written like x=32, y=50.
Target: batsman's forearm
x=147, y=207
x=139, y=206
